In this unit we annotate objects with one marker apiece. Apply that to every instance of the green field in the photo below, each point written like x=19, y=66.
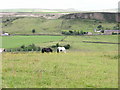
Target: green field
x=85, y=65
x=17, y=41
x=76, y=42
x=70, y=70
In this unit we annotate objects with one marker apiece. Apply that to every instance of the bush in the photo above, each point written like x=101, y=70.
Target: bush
x=100, y=26
x=38, y=49
x=53, y=46
x=81, y=32
x=23, y=46
x=114, y=33
x=57, y=45
x=73, y=32
x=31, y=47
x=33, y=31
x=67, y=46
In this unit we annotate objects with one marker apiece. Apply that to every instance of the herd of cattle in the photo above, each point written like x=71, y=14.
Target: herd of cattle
x=47, y=50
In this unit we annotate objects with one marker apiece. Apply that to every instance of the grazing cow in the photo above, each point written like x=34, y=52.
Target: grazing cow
x=61, y=49
x=47, y=50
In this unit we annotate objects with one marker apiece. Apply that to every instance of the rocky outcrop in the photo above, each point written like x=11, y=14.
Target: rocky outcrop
x=94, y=15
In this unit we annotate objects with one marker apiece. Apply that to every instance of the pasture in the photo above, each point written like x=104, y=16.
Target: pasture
x=70, y=70
x=17, y=41
x=85, y=65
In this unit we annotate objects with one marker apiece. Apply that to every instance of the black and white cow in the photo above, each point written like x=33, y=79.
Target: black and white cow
x=61, y=49
x=47, y=50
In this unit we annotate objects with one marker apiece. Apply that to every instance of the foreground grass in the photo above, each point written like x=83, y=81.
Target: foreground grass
x=70, y=70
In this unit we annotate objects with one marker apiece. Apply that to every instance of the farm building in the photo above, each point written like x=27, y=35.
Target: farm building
x=1, y=50
x=111, y=31
x=5, y=34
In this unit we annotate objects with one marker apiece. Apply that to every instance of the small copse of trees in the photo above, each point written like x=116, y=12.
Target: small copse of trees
x=30, y=47
x=73, y=32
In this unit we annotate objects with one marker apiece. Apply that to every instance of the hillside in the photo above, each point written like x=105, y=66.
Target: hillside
x=25, y=25
x=104, y=16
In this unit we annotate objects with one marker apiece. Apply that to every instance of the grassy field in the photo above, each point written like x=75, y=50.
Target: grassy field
x=17, y=41
x=70, y=70
x=85, y=65
x=76, y=42
x=51, y=26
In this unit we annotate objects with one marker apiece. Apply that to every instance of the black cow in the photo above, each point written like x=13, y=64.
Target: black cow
x=47, y=50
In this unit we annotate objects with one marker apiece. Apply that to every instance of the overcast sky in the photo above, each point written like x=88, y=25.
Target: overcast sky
x=60, y=4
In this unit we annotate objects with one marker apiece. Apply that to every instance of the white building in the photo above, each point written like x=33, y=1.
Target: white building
x=5, y=34
x=1, y=50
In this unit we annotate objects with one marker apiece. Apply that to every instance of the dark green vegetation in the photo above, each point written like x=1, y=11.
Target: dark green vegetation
x=20, y=25
x=24, y=48
x=73, y=32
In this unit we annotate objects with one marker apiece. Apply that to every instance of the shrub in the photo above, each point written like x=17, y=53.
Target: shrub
x=33, y=31
x=70, y=31
x=100, y=26
x=73, y=32
x=23, y=46
x=114, y=33
x=67, y=46
x=81, y=32
x=53, y=46
x=38, y=49
x=31, y=47
x=57, y=45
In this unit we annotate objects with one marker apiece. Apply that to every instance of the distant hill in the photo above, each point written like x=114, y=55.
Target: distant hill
x=25, y=25
x=53, y=21
x=104, y=16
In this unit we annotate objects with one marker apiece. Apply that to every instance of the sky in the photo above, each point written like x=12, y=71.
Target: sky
x=60, y=4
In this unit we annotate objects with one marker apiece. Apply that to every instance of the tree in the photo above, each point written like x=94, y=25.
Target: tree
x=33, y=31
x=23, y=46
x=100, y=26
x=57, y=45
x=116, y=27
x=81, y=32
